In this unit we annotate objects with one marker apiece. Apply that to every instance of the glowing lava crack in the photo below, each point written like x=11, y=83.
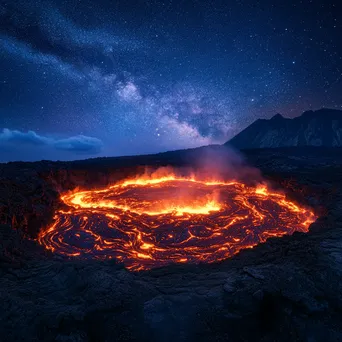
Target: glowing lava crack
x=147, y=223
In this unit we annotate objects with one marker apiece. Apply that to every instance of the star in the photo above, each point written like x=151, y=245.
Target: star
x=109, y=72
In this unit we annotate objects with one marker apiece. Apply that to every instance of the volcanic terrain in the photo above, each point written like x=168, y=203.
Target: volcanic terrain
x=65, y=284
x=313, y=128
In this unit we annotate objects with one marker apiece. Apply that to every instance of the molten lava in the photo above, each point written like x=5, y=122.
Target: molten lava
x=150, y=222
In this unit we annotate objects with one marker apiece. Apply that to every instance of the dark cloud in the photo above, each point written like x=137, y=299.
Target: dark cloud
x=78, y=144
x=14, y=136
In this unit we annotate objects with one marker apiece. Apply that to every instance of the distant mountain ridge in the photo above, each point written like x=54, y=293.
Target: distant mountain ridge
x=313, y=128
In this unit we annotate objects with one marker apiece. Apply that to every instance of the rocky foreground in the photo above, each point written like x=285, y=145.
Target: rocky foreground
x=287, y=289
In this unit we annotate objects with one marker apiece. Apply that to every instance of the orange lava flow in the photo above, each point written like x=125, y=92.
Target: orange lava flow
x=152, y=222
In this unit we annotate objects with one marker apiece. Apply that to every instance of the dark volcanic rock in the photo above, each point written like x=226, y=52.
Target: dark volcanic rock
x=287, y=289
x=319, y=128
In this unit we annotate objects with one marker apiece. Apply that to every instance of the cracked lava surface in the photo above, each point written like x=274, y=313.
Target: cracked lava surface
x=154, y=221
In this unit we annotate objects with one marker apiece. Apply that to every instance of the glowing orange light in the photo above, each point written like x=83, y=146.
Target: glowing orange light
x=153, y=221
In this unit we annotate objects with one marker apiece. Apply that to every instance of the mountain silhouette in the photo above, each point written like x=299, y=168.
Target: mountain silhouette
x=313, y=128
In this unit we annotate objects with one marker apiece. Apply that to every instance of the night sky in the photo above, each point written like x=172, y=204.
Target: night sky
x=92, y=78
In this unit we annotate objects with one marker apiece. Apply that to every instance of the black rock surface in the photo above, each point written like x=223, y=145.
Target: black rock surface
x=286, y=289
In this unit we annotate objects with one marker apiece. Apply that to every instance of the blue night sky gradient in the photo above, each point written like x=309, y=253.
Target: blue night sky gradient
x=106, y=78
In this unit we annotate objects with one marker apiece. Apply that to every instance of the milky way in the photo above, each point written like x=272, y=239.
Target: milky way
x=104, y=78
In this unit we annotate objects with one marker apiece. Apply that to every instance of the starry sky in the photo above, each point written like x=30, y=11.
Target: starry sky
x=89, y=78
